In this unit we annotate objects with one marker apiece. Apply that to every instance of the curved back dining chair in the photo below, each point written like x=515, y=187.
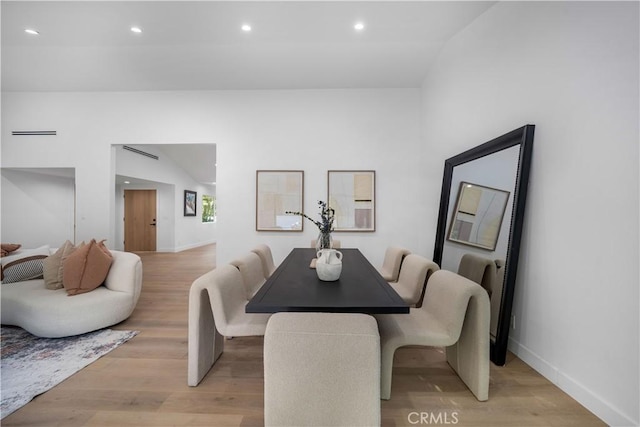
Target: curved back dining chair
x=322, y=369
x=216, y=310
x=480, y=270
x=455, y=315
x=413, y=277
x=393, y=257
x=266, y=258
x=335, y=244
x=250, y=267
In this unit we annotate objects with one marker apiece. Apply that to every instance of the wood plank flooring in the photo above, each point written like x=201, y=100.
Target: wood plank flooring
x=144, y=381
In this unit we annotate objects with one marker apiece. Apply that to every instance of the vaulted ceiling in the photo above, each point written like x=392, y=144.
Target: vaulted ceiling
x=200, y=45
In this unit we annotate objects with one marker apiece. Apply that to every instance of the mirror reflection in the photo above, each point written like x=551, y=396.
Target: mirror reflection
x=494, y=171
x=478, y=215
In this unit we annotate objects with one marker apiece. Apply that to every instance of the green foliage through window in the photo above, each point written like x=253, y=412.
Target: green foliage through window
x=208, y=208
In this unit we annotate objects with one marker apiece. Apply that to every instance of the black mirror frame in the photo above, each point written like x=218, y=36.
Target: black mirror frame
x=524, y=137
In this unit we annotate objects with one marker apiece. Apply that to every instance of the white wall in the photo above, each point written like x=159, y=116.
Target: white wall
x=571, y=69
x=37, y=208
x=310, y=130
x=317, y=131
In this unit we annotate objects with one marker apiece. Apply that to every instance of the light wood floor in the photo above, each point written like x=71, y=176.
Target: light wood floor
x=144, y=382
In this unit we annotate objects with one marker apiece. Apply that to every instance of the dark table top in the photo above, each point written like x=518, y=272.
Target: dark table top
x=294, y=286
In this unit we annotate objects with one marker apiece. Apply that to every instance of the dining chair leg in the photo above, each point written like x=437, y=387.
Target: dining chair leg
x=386, y=369
x=469, y=356
x=205, y=343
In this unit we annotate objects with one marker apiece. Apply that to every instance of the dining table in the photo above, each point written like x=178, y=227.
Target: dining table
x=295, y=286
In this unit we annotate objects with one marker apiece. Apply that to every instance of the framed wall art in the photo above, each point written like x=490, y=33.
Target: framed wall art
x=352, y=195
x=278, y=191
x=190, y=198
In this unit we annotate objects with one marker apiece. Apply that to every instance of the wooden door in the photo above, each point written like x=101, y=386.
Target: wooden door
x=139, y=220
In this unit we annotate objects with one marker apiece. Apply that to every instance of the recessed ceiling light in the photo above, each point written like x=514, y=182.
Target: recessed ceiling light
x=136, y=30
x=246, y=28
x=127, y=182
x=359, y=26
x=31, y=31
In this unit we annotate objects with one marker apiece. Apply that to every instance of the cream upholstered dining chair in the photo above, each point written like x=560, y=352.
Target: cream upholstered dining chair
x=393, y=257
x=481, y=270
x=335, y=244
x=455, y=315
x=216, y=310
x=250, y=267
x=413, y=277
x=322, y=369
x=266, y=258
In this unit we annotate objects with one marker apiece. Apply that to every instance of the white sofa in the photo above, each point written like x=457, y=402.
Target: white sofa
x=54, y=314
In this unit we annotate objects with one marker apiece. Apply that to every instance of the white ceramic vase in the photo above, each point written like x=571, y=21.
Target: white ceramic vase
x=329, y=265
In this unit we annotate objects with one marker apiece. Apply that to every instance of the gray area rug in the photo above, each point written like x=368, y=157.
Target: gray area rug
x=31, y=365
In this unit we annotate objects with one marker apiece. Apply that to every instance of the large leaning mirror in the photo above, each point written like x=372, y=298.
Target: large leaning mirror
x=482, y=206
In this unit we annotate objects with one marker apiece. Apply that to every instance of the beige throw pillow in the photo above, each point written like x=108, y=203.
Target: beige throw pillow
x=86, y=268
x=53, y=266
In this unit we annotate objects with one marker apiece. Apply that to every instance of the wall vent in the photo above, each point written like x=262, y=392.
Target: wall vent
x=33, y=132
x=144, y=153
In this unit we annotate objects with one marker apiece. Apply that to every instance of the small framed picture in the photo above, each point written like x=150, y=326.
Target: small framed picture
x=190, y=198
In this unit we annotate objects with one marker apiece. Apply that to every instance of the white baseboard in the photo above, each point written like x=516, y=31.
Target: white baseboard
x=185, y=247
x=602, y=409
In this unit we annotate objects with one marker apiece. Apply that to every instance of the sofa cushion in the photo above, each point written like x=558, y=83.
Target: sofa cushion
x=86, y=268
x=52, y=272
x=53, y=314
x=25, y=265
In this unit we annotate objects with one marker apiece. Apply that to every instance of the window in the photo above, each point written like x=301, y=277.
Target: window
x=208, y=208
